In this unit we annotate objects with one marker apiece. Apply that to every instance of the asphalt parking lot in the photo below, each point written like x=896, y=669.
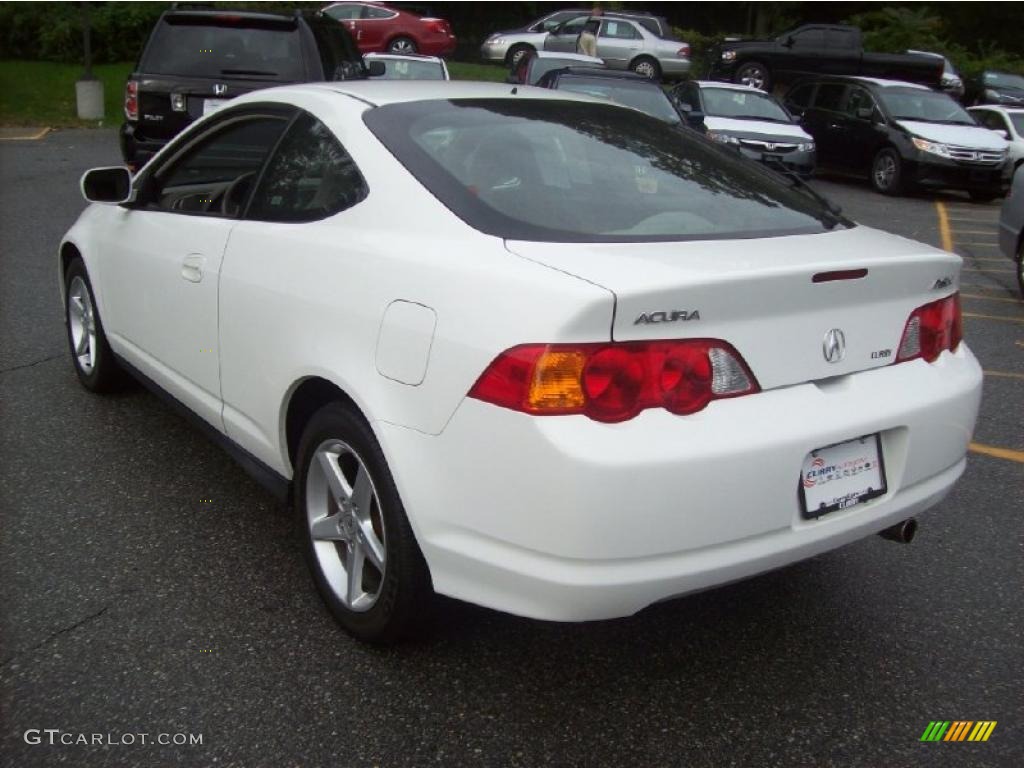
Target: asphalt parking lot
x=149, y=586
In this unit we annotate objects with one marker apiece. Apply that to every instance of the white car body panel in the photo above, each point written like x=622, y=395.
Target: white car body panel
x=1016, y=139
x=972, y=136
x=765, y=127
x=559, y=518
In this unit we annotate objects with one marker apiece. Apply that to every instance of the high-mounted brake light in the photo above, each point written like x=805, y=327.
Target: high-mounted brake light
x=614, y=382
x=131, y=100
x=931, y=330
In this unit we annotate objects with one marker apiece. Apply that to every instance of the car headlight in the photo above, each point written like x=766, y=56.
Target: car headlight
x=728, y=55
x=807, y=146
x=496, y=40
x=931, y=146
x=723, y=138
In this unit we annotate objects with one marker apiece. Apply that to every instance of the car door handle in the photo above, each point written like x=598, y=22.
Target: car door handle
x=192, y=268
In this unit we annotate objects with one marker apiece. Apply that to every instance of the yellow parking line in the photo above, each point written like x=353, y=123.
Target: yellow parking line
x=1004, y=374
x=989, y=298
x=1004, y=318
x=999, y=453
x=33, y=137
x=944, y=231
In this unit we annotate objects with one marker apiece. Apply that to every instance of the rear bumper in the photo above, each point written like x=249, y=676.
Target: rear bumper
x=939, y=173
x=494, y=52
x=567, y=519
x=438, y=46
x=674, y=67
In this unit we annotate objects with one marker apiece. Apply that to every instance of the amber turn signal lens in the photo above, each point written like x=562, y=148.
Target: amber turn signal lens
x=556, y=381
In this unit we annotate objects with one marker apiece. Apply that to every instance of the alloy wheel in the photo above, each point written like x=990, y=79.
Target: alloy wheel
x=885, y=171
x=82, y=321
x=402, y=45
x=646, y=69
x=753, y=76
x=346, y=525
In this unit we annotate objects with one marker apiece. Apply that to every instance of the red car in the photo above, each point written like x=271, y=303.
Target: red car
x=378, y=28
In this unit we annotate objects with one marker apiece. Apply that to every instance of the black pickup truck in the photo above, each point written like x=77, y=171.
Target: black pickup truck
x=820, y=49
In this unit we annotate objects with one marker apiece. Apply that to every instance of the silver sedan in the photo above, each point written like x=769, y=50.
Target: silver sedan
x=626, y=44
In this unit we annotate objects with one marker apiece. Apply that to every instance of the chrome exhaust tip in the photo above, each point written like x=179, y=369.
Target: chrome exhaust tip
x=902, y=532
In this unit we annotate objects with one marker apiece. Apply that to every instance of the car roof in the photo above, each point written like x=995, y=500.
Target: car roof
x=606, y=74
x=568, y=57
x=728, y=86
x=379, y=93
x=881, y=83
x=402, y=56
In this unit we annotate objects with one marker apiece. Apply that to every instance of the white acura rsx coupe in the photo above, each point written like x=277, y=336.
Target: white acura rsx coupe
x=523, y=348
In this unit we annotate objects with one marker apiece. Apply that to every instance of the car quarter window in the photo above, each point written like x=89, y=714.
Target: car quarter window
x=858, y=99
x=619, y=30
x=830, y=96
x=216, y=173
x=809, y=38
x=310, y=177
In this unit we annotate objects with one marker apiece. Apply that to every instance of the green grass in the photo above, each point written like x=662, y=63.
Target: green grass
x=43, y=93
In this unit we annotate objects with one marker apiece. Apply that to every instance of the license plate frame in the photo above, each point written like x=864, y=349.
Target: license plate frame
x=850, y=459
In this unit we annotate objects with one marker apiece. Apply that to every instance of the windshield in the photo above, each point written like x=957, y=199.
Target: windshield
x=564, y=171
x=1017, y=118
x=205, y=47
x=409, y=69
x=923, y=106
x=647, y=97
x=1003, y=80
x=743, y=105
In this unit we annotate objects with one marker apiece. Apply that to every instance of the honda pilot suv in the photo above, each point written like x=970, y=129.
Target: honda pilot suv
x=196, y=60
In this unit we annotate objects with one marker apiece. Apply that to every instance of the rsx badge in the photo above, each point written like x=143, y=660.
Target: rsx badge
x=667, y=317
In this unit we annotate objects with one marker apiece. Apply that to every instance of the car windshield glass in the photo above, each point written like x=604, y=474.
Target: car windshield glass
x=923, y=106
x=411, y=69
x=647, y=97
x=201, y=46
x=565, y=171
x=744, y=105
x=1017, y=118
x=1003, y=80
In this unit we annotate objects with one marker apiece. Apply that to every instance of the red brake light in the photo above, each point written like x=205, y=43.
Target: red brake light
x=437, y=25
x=932, y=329
x=131, y=100
x=614, y=382
x=684, y=52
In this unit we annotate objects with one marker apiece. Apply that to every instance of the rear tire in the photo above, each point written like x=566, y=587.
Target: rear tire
x=887, y=172
x=647, y=67
x=755, y=74
x=350, y=519
x=402, y=45
x=94, y=361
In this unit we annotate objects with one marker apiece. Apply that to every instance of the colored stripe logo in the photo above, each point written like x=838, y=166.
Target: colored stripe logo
x=958, y=730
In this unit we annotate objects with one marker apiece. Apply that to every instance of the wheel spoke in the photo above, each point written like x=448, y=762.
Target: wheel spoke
x=340, y=489
x=362, y=491
x=78, y=307
x=354, y=567
x=326, y=529
x=371, y=545
x=83, y=343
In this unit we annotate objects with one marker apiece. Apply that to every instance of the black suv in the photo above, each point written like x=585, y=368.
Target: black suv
x=900, y=135
x=197, y=59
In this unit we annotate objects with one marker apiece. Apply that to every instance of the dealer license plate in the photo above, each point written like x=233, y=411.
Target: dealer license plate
x=841, y=476
x=212, y=105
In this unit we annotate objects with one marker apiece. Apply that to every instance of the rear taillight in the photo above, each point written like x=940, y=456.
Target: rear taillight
x=932, y=329
x=684, y=52
x=131, y=100
x=614, y=382
x=437, y=25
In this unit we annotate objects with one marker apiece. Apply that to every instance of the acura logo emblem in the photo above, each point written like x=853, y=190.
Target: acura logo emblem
x=219, y=89
x=834, y=346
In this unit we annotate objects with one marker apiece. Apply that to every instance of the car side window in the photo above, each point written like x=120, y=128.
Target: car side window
x=310, y=177
x=344, y=12
x=618, y=30
x=830, y=96
x=216, y=175
x=689, y=94
x=857, y=100
x=573, y=27
x=800, y=97
x=809, y=38
x=840, y=38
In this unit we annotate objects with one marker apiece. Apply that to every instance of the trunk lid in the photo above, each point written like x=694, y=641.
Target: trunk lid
x=761, y=297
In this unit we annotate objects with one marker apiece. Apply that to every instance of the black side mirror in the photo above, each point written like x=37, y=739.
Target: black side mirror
x=108, y=185
x=377, y=68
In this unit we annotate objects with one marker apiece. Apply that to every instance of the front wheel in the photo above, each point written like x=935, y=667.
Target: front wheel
x=402, y=45
x=91, y=355
x=755, y=74
x=646, y=67
x=358, y=542
x=515, y=54
x=887, y=172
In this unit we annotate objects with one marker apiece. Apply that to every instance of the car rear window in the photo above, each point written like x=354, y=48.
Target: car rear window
x=225, y=46
x=645, y=96
x=563, y=171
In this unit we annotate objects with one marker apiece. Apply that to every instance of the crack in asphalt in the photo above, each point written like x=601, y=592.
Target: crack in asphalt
x=54, y=635
x=29, y=365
